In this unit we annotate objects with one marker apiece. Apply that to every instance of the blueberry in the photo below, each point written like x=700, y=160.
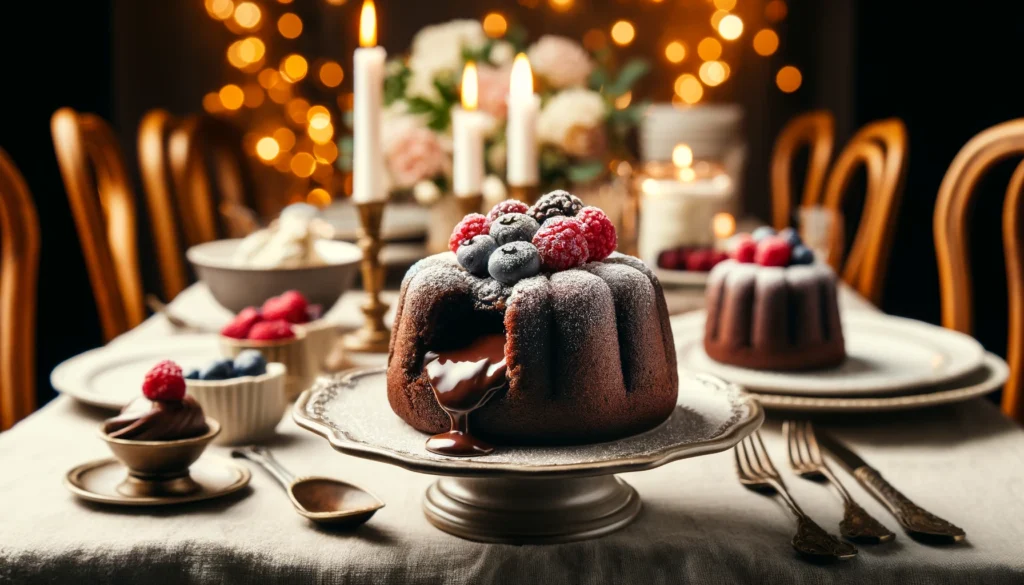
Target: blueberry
x=513, y=227
x=791, y=236
x=801, y=254
x=762, y=233
x=218, y=370
x=473, y=254
x=250, y=363
x=514, y=261
x=192, y=374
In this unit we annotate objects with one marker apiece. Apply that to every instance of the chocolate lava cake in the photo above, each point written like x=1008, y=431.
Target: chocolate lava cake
x=773, y=308
x=589, y=351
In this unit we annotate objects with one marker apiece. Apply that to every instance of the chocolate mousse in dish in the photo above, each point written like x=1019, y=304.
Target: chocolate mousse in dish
x=773, y=307
x=163, y=413
x=532, y=330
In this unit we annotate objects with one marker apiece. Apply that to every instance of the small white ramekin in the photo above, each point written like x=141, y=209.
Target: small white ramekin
x=248, y=407
x=292, y=352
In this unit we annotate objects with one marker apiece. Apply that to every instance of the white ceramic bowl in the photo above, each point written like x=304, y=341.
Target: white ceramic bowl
x=248, y=408
x=300, y=368
x=238, y=287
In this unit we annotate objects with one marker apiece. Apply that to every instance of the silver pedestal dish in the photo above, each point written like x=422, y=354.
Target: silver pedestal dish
x=527, y=494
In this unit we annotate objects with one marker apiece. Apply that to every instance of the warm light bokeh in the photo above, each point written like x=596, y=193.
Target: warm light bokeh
x=682, y=155
x=294, y=67
x=231, y=96
x=495, y=25
x=319, y=197
x=675, y=52
x=248, y=15
x=723, y=225
x=594, y=39
x=331, y=74
x=325, y=153
x=709, y=49
x=766, y=42
x=725, y=4
x=303, y=164
x=368, y=24
x=623, y=32
x=731, y=27
x=712, y=73
x=622, y=102
x=789, y=79
x=289, y=25
x=689, y=88
x=267, y=148
x=559, y=5
x=220, y=9
x=285, y=138
x=322, y=134
x=319, y=117
x=716, y=18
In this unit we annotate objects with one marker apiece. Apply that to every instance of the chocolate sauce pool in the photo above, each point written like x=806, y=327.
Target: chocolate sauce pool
x=464, y=380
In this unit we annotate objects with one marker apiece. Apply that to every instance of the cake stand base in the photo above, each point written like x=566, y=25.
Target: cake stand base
x=531, y=511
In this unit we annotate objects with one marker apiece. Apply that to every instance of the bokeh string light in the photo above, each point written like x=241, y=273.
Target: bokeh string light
x=272, y=83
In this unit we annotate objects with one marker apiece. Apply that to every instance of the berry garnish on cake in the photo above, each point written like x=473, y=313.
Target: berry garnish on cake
x=164, y=412
x=588, y=349
x=274, y=320
x=772, y=307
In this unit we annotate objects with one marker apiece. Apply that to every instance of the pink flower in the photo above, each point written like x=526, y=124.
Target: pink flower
x=493, y=89
x=413, y=152
x=561, y=61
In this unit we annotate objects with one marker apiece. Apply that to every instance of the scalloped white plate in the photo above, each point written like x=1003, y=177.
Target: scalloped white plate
x=885, y=355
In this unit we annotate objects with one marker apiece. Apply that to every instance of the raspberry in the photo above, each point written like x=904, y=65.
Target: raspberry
x=600, y=233
x=562, y=243
x=164, y=382
x=772, y=251
x=239, y=327
x=271, y=330
x=669, y=260
x=554, y=204
x=473, y=224
x=505, y=207
x=698, y=261
x=290, y=306
x=744, y=249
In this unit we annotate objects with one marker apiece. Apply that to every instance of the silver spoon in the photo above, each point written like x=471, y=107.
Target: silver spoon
x=320, y=499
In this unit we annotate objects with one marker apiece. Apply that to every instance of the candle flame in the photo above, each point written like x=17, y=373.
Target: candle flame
x=682, y=156
x=724, y=225
x=521, y=84
x=469, y=86
x=368, y=25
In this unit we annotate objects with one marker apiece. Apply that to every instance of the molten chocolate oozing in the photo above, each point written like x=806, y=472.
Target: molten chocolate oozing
x=464, y=380
x=158, y=420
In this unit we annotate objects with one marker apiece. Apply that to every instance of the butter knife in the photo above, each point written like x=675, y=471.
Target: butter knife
x=918, y=522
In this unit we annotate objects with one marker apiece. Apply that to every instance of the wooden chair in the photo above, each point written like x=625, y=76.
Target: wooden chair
x=103, y=206
x=19, y=269
x=197, y=184
x=881, y=147
x=958, y=187
x=816, y=130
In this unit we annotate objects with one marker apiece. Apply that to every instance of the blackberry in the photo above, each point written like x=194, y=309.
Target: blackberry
x=554, y=204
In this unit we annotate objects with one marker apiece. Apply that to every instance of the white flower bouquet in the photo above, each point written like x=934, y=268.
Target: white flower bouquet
x=586, y=115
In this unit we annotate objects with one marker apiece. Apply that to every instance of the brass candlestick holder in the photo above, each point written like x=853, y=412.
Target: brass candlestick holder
x=469, y=203
x=373, y=336
x=528, y=194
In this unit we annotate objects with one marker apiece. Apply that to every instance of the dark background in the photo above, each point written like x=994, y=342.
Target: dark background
x=948, y=73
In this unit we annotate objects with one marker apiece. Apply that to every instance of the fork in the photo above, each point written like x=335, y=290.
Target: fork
x=758, y=474
x=806, y=460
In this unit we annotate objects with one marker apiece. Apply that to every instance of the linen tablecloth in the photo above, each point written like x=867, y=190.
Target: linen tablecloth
x=698, y=525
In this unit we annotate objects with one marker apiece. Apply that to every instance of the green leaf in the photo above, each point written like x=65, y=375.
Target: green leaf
x=518, y=36
x=439, y=120
x=628, y=76
x=445, y=86
x=396, y=82
x=586, y=171
x=598, y=78
x=345, y=149
x=419, y=105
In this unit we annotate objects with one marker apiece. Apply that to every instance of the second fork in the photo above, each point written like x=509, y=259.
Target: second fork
x=806, y=460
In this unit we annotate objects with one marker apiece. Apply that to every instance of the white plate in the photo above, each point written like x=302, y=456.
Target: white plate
x=682, y=277
x=111, y=376
x=992, y=374
x=885, y=355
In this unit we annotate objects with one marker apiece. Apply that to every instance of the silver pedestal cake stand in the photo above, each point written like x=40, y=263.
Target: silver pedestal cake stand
x=526, y=495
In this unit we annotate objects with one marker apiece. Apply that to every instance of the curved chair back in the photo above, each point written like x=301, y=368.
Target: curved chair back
x=816, y=130
x=952, y=209
x=881, y=147
x=103, y=206
x=19, y=269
